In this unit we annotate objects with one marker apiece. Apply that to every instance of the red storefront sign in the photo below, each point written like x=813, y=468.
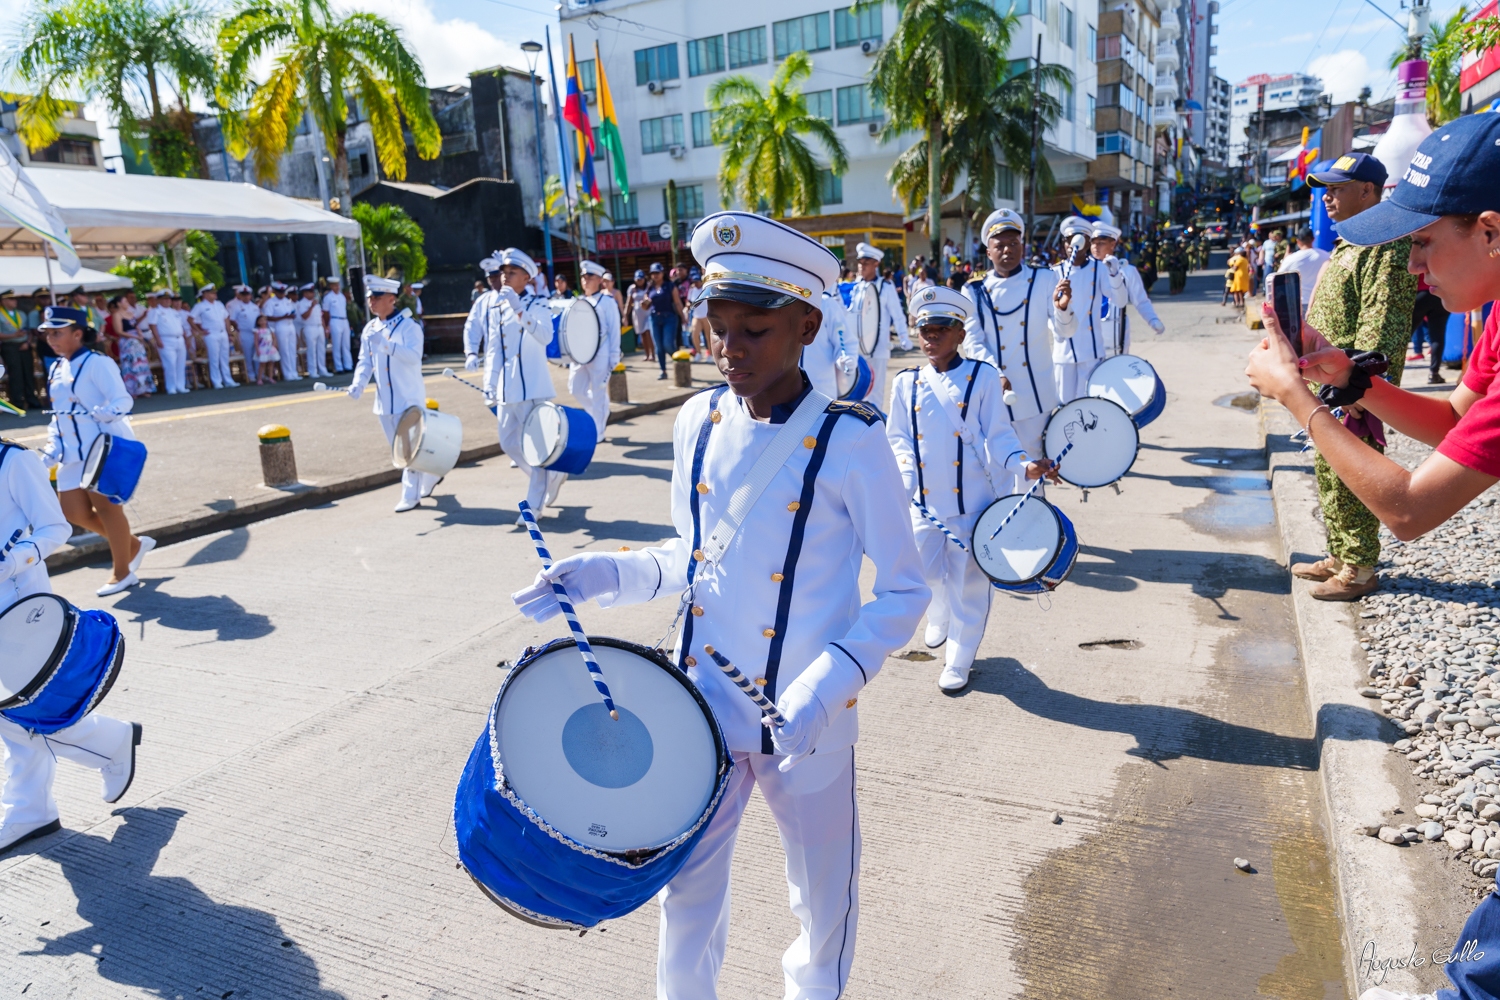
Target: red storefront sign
x=1478, y=65
x=633, y=241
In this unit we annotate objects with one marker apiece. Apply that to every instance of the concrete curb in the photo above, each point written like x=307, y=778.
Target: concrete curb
x=96, y=549
x=1377, y=897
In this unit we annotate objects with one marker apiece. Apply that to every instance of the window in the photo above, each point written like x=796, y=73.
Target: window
x=598, y=144
x=1117, y=95
x=588, y=77
x=1065, y=24
x=747, y=48
x=1092, y=108
x=659, y=63
x=689, y=202
x=1066, y=99
x=830, y=187
x=1020, y=8
x=856, y=105
x=1093, y=40
x=1006, y=183
x=1107, y=47
x=624, y=209
x=78, y=152
x=1017, y=67
x=659, y=133
x=854, y=25
x=820, y=104
x=800, y=34
x=1114, y=142
x=1039, y=9
x=703, y=127
x=706, y=55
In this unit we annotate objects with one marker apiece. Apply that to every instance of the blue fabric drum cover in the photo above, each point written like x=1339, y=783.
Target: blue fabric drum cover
x=113, y=467
x=59, y=662
x=566, y=817
x=1033, y=553
x=1104, y=439
x=1131, y=382
x=560, y=438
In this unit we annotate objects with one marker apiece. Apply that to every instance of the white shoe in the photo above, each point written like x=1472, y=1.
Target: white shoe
x=147, y=544
x=935, y=635
x=555, y=481
x=513, y=464
x=520, y=521
x=405, y=505
x=120, y=771
x=16, y=834
x=954, y=678
x=428, y=491
x=115, y=588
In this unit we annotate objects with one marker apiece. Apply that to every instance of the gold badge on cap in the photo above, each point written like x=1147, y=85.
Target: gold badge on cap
x=726, y=233
x=929, y=295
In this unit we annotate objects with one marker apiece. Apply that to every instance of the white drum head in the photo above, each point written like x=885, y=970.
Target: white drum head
x=634, y=784
x=94, y=459
x=31, y=630
x=1025, y=547
x=1104, y=440
x=579, y=333
x=543, y=434
x=869, y=320
x=1124, y=379
x=407, y=443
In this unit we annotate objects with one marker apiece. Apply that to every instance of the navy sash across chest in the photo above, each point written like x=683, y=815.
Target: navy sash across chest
x=916, y=438
x=989, y=302
x=73, y=389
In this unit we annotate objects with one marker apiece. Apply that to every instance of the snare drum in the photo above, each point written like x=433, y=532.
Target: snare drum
x=427, y=441
x=1131, y=382
x=560, y=438
x=579, y=336
x=59, y=662
x=1104, y=438
x=113, y=467
x=566, y=817
x=1033, y=553
x=869, y=320
x=855, y=385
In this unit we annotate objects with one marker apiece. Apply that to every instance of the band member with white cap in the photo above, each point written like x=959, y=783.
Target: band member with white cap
x=1102, y=246
x=834, y=351
x=336, y=320
x=518, y=328
x=310, y=321
x=1075, y=232
x=171, y=346
x=477, y=325
x=390, y=349
x=211, y=319
x=779, y=596
x=589, y=383
x=282, y=314
x=1081, y=335
x=242, y=314
x=892, y=318
x=1015, y=307
x=958, y=454
x=28, y=505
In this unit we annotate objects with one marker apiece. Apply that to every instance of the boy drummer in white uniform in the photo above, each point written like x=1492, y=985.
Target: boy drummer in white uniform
x=1101, y=246
x=476, y=326
x=780, y=597
x=589, y=383
x=1081, y=337
x=834, y=350
x=958, y=454
x=892, y=318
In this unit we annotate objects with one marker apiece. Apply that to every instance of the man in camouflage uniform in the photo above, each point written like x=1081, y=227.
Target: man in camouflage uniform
x=1176, y=265
x=1363, y=301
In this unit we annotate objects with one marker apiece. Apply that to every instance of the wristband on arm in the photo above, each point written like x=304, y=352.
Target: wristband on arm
x=1367, y=366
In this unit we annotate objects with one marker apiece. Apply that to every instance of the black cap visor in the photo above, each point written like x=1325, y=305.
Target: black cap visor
x=752, y=295
x=927, y=320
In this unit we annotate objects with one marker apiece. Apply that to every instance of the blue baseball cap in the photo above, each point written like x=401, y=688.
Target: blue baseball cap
x=58, y=317
x=1452, y=173
x=1350, y=167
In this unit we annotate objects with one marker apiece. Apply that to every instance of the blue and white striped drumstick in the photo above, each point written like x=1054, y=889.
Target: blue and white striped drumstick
x=584, y=649
x=459, y=378
x=746, y=685
x=941, y=526
x=14, y=537
x=1034, y=487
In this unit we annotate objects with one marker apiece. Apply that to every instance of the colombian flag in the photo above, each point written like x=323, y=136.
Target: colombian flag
x=609, y=126
x=576, y=114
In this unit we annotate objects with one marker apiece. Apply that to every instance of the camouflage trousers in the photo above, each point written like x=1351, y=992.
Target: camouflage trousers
x=1353, y=532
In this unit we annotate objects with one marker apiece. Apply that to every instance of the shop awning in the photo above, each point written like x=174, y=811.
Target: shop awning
x=28, y=275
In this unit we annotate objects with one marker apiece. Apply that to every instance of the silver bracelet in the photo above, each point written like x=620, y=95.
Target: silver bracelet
x=1307, y=427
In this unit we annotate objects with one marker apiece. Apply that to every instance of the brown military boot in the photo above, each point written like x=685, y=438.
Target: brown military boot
x=1320, y=570
x=1349, y=584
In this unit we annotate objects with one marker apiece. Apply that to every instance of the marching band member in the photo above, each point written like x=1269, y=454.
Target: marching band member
x=782, y=600
x=589, y=383
x=211, y=317
x=336, y=313
x=833, y=349
x=310, y=321
x=892, y=316
x=477, y=325
x=96, y=741
x=171, y=346
x=958, y=454
x=88, y=399
x=390, y=349
x=1014, y=307
x=243, y=313
x=1081, y=334
x=1102, y=247
x=280, y=311
x=518, y=328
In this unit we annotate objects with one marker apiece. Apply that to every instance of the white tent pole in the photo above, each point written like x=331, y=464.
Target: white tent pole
x=47, y=256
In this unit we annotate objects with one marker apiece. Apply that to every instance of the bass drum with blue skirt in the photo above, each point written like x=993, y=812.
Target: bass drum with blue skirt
x=566, y=817
x=113, y=467
x=1035, y=550
x=58, y=662
x=1131, y=382
x=853, y=376
x=560, y=438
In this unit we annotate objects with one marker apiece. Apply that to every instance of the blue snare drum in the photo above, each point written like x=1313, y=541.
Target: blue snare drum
x=565, y=817
x=560, y=438
x=1033, y=553
x=59, y=662
x=113, y=467
x=1131, y=382
x=854, y=385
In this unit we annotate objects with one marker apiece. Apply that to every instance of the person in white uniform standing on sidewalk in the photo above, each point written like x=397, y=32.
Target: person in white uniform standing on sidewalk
x=212, y=320
x=336, y=315
x=310, y=322
x=589, y=383
x=780, y=597
x=171, y=345
x=243, y=313
x=1081, y=335
x=96, y=741
x=282, y=313
x=1102, y=247
x=891, y=317
x=390, y=351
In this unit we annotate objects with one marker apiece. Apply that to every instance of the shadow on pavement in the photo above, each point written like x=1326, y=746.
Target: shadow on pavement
x=604, y=470
x=224, y=549
x=1210, y=574
x=208, y=613
x=578, y=519
x=452, y=511
x=644, y=451
x=163, y=934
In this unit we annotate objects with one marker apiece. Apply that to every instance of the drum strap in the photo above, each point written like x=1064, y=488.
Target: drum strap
x=942, y=391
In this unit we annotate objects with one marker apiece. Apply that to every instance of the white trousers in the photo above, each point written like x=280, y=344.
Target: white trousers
x=312, y=339
x=31, y=762
x=286, y=346
x=173, y=352
x=413, y=483
x=247, y=349
x=512, y=417
x=816, y=813
x=1073, y=379
x=217, y=345
x=1029, y=431
x=338, y=336
x=589, y=384
x=960, y=590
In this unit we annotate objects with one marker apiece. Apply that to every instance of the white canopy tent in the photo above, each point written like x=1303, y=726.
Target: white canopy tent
x=29, y=275
x=24, y=210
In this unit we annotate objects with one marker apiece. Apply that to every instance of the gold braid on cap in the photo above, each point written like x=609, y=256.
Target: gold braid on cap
x=714, y=275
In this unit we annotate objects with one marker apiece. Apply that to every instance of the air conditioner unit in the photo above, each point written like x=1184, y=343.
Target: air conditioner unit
x=661, y=86
x=874, y=128
x=869, y=46
x=677, y=152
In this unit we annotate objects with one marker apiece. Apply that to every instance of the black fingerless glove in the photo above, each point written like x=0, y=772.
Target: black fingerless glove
x=1367, y=366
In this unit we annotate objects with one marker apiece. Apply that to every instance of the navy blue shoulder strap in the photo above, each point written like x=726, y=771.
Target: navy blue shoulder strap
x=856, y=408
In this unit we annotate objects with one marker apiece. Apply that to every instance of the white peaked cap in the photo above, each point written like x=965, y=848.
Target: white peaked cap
x=518, y=258
x=939, y=301
x=866, y=252
x=1000, y=220
x=752, y=259
x=375, y=286
x=593, y=267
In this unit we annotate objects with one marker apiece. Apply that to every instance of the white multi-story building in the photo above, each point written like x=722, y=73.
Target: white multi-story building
x=1216, y=133
x=1266, y=92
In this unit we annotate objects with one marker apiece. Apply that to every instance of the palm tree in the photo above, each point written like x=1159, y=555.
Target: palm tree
x=765, y=164
x=940, y=64
x=317, y=60
x=1442, y=48
x=136, y=56
x=392, y=238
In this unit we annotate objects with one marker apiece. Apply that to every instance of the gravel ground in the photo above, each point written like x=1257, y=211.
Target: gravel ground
x=1431, y=636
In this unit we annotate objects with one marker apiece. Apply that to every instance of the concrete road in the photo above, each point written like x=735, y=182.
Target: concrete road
x=311, y=685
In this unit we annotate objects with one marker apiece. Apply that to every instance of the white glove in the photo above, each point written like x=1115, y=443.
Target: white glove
x=584, y=576
x=104, y=414
x=50, y=459
x=509, y=296
x=21, y=557
x=379, y=341
x=355, y=390
x=1112, y=264
x=471, y=363
x=1159, y=326
x=805, y=721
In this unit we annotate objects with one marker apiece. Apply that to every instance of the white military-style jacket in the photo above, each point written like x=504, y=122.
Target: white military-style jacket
x=892, y=316
x=1013, y=328
x=1119, y=316
x=515, y=354
x=166, y=321
x=335, y=306
x=1083, y=332
x=279, y=309
x=835, y=337
x=28, y=504
x=210, y=316
x=784, y=604
x=610, y=351
x=77, y=386
x=395, y=362
x=244, y=315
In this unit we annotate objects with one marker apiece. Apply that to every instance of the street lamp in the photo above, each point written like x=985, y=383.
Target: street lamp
x=532, y=50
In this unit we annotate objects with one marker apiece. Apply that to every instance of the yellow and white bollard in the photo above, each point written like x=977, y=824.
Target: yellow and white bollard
x=278, y=463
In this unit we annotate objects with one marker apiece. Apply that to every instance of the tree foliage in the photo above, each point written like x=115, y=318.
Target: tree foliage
x=392, y=240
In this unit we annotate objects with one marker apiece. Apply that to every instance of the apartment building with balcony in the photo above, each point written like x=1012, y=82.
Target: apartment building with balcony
x=77, y=147
x=1128, y=50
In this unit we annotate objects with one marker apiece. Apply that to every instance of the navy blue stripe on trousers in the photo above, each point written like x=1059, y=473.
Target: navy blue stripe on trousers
x=699, y=451
x=789, y=567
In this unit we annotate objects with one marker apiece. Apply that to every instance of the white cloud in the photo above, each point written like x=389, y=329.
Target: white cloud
x=449, y=49
x=1345, y=72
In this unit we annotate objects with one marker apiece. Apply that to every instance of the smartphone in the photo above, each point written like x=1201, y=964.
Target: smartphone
x=1286, y=299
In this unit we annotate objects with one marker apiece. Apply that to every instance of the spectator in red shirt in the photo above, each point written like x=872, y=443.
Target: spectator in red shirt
x=1448, y=204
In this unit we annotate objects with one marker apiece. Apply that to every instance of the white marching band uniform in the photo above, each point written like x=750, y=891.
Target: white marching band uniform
x=90, y=399
x=892, y=320
x=336, y=308
x=310, y=321
x=390, y=350
x=170, y=345
x=244, y=315
x=834, y=345
x=1082, y=335
x=1134, y=294
x=589, y=383
x=281, y=313
x=211, y=317
x=96, y=741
